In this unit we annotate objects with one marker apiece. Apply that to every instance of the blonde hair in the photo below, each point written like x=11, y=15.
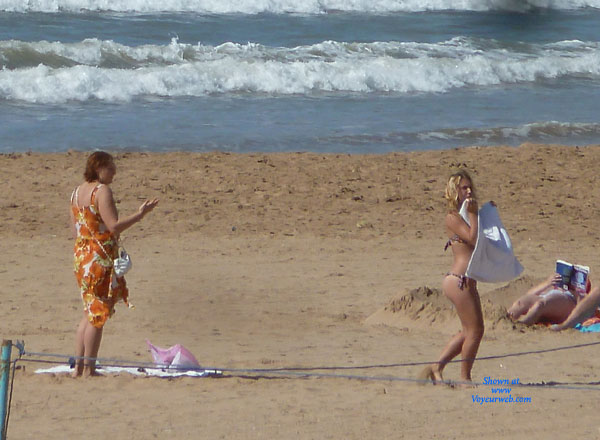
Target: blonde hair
x=451, y=194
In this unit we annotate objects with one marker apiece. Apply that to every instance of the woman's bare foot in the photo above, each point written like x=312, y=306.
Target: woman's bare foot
x=90, y=371
x=77, y=369
x=437, y=374
x=432, y=373
x=466, y=384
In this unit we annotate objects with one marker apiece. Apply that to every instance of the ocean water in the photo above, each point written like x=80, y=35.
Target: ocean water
x=355, y=76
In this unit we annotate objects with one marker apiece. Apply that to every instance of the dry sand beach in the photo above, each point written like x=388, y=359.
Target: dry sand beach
x=299, y=260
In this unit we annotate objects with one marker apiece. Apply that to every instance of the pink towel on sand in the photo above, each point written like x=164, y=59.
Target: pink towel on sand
x=176, y=356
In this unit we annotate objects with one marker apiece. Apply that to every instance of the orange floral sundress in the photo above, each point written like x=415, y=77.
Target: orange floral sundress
x=95, y=249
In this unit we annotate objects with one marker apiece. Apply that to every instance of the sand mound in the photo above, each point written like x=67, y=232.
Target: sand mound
x=419, y=307
x=509, y=293
x=426, y=307
x=494, y=316
x=422, y=303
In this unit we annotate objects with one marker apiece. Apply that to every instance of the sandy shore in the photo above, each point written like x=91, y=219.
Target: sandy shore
x=281, y=260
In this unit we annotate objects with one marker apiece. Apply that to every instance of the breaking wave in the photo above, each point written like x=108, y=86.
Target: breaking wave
x=54, y=72
x=287, y=6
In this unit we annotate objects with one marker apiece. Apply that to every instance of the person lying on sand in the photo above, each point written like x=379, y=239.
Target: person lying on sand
x=548, y=302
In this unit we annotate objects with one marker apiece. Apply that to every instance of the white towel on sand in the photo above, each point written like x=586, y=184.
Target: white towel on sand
x=493, y=260
x=148, y=371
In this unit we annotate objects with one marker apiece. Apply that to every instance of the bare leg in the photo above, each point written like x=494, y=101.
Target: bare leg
x=522, y=305
x=583, y=310
x=79, y=346
x=92, y=339
x=552, y=309
x=471, y=317
x=452, y=349
x=468, y=307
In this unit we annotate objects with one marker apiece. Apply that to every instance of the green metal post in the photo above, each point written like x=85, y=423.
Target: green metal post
x=5, y=370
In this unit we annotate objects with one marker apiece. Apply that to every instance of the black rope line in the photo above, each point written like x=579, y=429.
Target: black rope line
x=139, y=366
x=261, y=374
x=41, y=361
x=149, y=365
x=101, y=362
x=421, y=363
x=304, y=371
x=280, y=373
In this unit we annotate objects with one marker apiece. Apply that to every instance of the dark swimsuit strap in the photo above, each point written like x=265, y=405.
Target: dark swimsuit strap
x=455, y=238
x=462, y=279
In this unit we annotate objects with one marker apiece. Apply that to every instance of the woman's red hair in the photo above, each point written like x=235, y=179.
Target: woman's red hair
x=95, y=161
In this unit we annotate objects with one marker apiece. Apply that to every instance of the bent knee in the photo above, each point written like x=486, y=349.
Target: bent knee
x=516, y=310
x=475, y=332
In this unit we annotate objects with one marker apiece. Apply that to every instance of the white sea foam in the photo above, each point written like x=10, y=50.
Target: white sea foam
x=541, y=131
x=286, y=6
x=44, y=72
x=548, y=131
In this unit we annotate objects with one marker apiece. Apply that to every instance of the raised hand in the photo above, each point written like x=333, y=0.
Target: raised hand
x=147, y=206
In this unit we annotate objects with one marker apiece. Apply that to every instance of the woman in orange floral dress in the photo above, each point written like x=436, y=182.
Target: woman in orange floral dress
x=96, y=227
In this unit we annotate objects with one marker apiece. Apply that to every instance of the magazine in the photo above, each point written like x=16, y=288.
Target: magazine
x=574, y=276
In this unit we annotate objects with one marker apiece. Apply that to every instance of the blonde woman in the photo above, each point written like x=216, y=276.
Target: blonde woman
x=462, y=291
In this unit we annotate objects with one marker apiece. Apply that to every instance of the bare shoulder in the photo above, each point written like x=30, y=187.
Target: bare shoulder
x=452, y=218
x=104, y=192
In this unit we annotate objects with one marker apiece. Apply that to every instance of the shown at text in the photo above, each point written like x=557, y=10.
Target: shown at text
x=504, y=387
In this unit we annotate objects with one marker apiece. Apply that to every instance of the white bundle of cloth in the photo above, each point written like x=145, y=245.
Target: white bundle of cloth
x=493, y=259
